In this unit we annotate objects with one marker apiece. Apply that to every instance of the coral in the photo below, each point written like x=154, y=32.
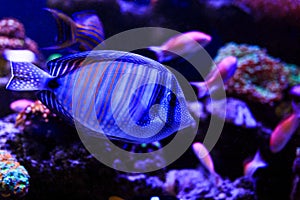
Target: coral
x=259, y=77
x=36, y=112
x=12, y=36
x=237, y=112
x=185, y=184
x=7, y=131
x=12, y=28
x=56, y=166
x=14, y=177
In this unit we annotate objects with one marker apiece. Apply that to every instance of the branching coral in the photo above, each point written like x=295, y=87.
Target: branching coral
x=14, y=177
x=259, y=77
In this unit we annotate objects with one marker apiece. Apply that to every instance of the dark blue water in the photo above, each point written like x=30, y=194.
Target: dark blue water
x=39, y=24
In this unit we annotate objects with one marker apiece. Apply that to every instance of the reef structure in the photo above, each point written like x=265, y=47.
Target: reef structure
x=14, y=177
x=32, y=112
x=259, y=77
x=13, y=37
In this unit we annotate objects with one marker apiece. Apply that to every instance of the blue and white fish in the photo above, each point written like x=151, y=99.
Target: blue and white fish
x=84, y=28
x=122, y=95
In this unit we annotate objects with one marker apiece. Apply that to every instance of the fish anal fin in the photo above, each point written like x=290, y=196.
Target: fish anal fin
x=48, y=98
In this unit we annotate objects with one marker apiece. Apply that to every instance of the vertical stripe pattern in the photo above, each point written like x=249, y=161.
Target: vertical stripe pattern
x=112, y=92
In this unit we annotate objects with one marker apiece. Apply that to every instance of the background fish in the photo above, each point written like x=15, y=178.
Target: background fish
x=203, y=155
x=286, y=128
x=132, y=98
x=183, y=44
x=253, y=165
x=84, y=28
x=283, y=133
x=226, y=68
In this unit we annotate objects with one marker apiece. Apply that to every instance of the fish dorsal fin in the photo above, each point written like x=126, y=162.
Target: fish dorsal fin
x=49, y=100
x=63, y=65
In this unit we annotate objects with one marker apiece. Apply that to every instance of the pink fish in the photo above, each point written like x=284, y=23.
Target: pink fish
x=20, y=104
x=256, y=163
x=183, y=44
x=285, y=129
x=283, y=132
x=226, y=68
x=203, y=155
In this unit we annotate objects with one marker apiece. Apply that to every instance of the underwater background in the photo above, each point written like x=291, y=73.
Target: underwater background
x=257, y=154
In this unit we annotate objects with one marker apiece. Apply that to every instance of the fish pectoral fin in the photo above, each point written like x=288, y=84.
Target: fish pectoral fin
x=27, y=77
x=67, y=29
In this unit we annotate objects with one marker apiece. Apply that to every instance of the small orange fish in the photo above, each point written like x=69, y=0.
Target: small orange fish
x=203, y=155
x=186, y=43
x=226, y=68
x=256, y=163
x=283, y=132
x=20, y=104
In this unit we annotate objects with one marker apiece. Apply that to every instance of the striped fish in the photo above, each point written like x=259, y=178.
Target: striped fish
x=84, y=28
x=122, y=95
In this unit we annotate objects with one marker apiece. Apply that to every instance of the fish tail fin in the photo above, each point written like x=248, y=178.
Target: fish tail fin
x=27, y=77
x=159, y=52
x=67, y=30
x=202, y=89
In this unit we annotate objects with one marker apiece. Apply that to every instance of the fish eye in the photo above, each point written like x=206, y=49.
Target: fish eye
x=171, y=98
